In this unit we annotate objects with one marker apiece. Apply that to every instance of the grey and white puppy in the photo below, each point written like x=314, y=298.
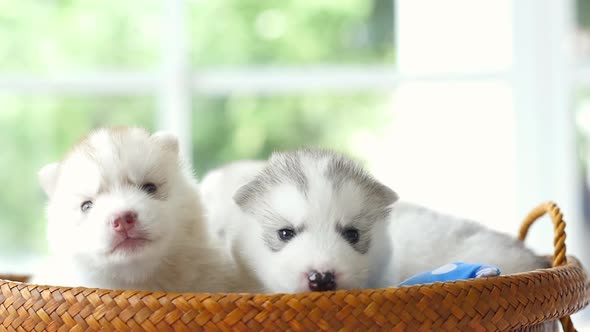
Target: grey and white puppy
x=304, y=220
x=314, y=220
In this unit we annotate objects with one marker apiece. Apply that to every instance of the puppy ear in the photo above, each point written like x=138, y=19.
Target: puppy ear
x=47, y=177
x=389, y=196
x=168, y=140
x=383, y=199
x=247, y=194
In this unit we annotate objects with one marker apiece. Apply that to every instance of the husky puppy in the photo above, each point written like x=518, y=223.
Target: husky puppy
x=314, y=220
x=424, y=239
x=217, y=190
x=124, y=212
x=306, y=220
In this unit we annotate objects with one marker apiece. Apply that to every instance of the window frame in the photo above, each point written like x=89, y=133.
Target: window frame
x=542, y=67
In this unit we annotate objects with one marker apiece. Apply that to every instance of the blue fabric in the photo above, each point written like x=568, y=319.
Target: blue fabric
x=452, y=272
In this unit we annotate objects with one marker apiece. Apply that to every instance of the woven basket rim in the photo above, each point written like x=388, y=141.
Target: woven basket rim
x=572, y=264
x=523, y=301
x=531, y=298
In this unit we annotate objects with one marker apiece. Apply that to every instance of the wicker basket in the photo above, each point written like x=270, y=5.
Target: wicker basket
x=530, y=301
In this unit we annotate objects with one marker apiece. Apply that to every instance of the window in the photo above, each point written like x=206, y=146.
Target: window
x=463, y=105
x=36, y=131
x=163, y=65
x=57, y=37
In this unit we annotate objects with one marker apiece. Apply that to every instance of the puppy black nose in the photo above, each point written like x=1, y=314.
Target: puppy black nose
x=319, y=282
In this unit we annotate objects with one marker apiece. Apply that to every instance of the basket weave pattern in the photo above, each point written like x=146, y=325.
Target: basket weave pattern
x=523, y=302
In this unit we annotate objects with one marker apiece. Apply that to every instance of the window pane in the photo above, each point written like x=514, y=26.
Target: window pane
x=582, y=38
x=53, y=36
x=453, y=147
x=398, y=135
x=583, y=128
x=291, y=32
x=454, y=36
x=34, y=132
x=247, y=126
x=582, y=113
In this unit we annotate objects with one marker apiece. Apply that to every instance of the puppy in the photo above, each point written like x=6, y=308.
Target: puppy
x=217, y=190
x=313, y=220
x=306, y=220
x=423, y=239
x=124, y=212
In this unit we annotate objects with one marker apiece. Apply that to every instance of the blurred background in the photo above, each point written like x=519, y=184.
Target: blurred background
x=473, y=107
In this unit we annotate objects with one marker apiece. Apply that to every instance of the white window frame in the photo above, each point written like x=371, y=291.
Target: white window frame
x=544, y=84
x=542, y=80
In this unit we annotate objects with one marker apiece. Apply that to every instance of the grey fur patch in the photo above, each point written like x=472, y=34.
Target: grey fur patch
x=271, y=224
x=364, y=243
x=342, y=169
x=378, y=197
x=246, y=196
x=287, y=167
x=272, y=241
x=283, y=167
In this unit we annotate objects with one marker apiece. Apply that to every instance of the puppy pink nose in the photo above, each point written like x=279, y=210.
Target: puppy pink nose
x=125, y=221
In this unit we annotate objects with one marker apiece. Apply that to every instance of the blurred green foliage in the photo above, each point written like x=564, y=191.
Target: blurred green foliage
x=52, y=37
x=241, y=127
x=234, y=32
x=583, y=13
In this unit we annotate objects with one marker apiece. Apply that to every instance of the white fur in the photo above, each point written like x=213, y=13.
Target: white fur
x=109, y=168
x=415, y=240
x=319, y=247
x=424, y=239
x=217, y=189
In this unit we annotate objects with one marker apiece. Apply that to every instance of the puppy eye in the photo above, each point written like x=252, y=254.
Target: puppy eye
x=286, y=234
x=86, y=205
x=351, y=235
x=149, y=188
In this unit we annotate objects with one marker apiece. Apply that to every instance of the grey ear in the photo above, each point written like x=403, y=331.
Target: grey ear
x=47, y=177
x=168, y=140
x=389, y=196
x=386, y=198
x=246, y=194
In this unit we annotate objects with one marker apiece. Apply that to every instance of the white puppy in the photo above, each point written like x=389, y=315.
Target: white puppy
x=308, y=215
x=124, y=212
x=217, y=190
